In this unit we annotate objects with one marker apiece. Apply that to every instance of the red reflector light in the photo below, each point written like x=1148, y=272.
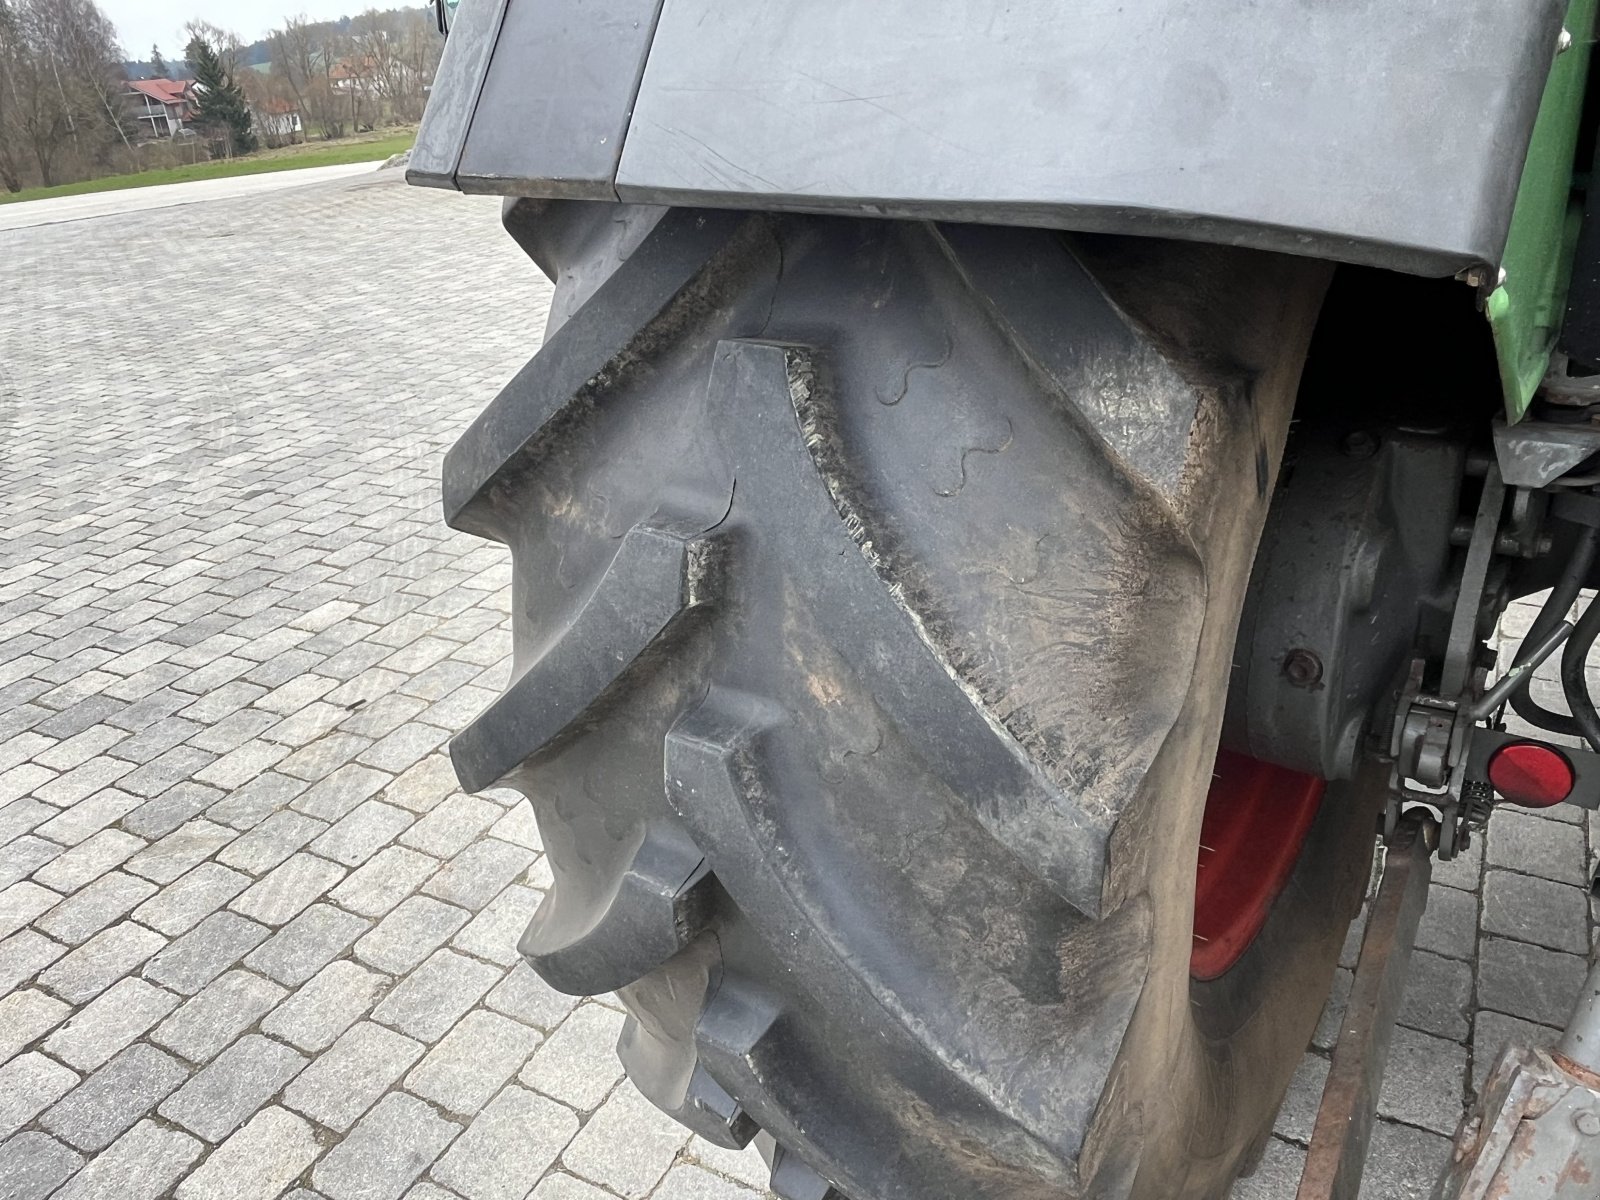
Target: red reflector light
x=1531, y=774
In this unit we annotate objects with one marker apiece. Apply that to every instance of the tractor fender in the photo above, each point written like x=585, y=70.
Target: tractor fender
x=1383, y=132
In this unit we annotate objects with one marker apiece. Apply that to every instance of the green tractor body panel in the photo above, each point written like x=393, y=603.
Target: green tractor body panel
x=1526, y=306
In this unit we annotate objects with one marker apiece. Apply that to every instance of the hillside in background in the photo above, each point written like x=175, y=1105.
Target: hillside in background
x=256, y=54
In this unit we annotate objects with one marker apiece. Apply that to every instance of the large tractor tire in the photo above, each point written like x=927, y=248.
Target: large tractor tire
x=875, y=588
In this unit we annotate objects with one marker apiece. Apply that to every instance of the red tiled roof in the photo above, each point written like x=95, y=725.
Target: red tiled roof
x=167, y=91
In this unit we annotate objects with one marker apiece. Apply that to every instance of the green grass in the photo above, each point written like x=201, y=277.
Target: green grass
x=289, y=158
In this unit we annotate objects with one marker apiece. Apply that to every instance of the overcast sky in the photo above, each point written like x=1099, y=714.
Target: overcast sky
x=141, y=23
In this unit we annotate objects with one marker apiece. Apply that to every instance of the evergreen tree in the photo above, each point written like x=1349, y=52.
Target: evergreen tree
x=158, y=65
x=223, y=113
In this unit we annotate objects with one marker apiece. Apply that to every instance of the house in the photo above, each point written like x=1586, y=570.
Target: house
x=161, y=107
x=276, y=118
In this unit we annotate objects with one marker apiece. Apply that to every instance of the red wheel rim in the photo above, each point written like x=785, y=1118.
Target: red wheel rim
x=1256, y=821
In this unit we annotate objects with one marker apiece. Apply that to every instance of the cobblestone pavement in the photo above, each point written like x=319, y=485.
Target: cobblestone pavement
x=253, y=940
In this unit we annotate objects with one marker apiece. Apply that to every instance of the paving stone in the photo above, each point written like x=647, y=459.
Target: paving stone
x=239, y=766
x=156, y=739
x=494, y=932
x=23, y=955
x=344, y=1082
x=327, y=1005
x=1492, y=1032
x=362, y=832
x=384, y=1154
x=233, y=730
x=379, y=884
x=296, y=694
x=1438, y=996
x=523, y=995
x=158, y=817
x=22, y=857
x=1277, y=1178
x=1464, y=871
x=629, y=1144
x=403, y=748
x=749, y=1168
x=378, y=718
x=577, y=1063
x=472, y=1062
x=333, y=797
x=86, y=912
x=19, y=816
x=87, y=817
x=1449, y=924
x=25, y=1017
x=450, y=827
x=182, y=905
x=88, y=860
x=236, y=1083
x=101, y=961
x=478, y=873
x=685, y=1182
x=301, y=948
x=306, y=726
x=514, y=1139
x=248, y=806
x=326, y=755
x=21, y=903
x=1402, y=1163
x=206, y=951
x=271, y=842
x=288, y=888
x=142, y=1164
x=256, y=1163
x=422, y=787
x=1535, y=910
x=33, y=1165
x=96, y=1112
x=168, y=770
x=434, y=996
x=180, y=851
x=519, y=827
x=29, y=1084
x=556, y=1186
x=82, y=781
x=1535, y=846
x=227, y=1007
x=1424, y=1081
x=409, y=934
x=108, y=1023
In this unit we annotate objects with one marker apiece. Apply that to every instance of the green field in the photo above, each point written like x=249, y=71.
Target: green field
x=289, y=158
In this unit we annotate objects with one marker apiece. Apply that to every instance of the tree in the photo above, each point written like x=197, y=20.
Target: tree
x=229, y=49
x=222, y=113
x=62, y=88
x=157, y=63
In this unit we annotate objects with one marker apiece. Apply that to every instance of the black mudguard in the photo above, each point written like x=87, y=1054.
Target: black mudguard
x=1386, y=132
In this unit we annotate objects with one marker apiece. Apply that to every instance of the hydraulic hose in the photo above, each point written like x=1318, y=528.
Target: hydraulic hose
x=1573, y=680
x=1562, y=597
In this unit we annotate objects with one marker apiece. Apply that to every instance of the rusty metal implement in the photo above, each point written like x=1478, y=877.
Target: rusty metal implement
x=1338, y=1150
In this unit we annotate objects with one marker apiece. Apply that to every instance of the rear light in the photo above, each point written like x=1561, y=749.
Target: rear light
x=1531, y=774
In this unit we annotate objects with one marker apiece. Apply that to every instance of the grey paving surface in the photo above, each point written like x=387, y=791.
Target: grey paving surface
x=253, y=940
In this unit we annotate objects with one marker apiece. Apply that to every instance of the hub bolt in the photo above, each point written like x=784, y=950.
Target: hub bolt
x=1302, y=668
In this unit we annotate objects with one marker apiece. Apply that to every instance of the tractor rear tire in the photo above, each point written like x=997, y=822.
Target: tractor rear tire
x=875, y=586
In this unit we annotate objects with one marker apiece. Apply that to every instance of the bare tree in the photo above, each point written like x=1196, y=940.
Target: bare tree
x=229, y=49
x=63, y=86
x=309, y=57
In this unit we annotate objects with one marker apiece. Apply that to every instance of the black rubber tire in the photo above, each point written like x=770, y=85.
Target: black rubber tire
x=874, y=589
